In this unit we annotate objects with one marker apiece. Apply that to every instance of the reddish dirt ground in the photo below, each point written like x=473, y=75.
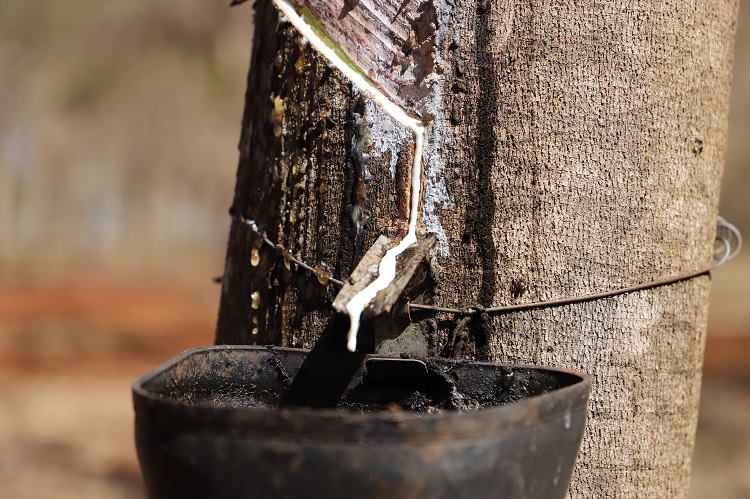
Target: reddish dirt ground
x=68, y=355
x=69, y=352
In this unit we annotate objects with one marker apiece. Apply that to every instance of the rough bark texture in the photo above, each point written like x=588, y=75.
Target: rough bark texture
x=575, y=147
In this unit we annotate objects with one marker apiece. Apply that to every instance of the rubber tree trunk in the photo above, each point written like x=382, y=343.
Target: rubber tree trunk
x=574, y=147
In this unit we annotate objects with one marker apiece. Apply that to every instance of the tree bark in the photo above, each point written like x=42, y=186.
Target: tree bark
x=573, y=148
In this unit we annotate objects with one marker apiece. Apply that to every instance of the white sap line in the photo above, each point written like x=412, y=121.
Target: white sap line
x=387, y=268
x=355, y=76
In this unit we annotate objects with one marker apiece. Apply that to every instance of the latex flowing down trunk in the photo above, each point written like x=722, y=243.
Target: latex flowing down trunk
x=573, y=147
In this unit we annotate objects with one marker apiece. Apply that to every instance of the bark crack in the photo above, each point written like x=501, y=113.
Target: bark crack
x=487, y=107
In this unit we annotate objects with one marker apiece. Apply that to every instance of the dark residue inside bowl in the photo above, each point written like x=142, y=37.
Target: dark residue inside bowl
x=349, y=382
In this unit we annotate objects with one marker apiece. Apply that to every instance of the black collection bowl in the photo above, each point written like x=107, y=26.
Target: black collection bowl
x=238, y=421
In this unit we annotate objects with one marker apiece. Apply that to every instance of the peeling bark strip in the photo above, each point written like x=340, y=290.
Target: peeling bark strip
x=596, y=109
x=366, y=272
x=392, y=42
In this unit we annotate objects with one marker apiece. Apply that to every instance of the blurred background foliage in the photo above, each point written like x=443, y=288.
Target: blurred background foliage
x=119, y=124
x=118, y=133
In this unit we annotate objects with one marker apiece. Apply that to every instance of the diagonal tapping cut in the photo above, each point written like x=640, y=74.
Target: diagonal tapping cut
x=310, y=29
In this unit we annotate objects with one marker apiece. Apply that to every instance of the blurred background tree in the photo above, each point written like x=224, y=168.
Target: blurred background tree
x=118, y=132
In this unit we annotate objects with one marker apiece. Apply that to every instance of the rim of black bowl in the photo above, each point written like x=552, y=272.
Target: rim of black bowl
x=336, y=424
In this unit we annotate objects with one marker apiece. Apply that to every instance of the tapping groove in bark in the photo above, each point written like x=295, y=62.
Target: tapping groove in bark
x=588, y=137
